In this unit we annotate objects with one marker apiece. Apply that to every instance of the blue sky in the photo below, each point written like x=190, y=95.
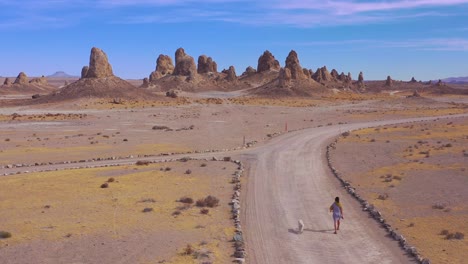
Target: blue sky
x=427, y=39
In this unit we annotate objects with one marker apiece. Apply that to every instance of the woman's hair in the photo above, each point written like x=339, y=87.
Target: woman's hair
x=337, y=199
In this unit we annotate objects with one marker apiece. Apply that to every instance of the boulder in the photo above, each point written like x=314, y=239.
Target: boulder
x=84, y=71
x=99, y=66
x=267, y=62
x=21, y=79
x=185, y=64
x=284, y=77
x=292, y=63
x=231, y=74
x=389, y=81
x=206, y=65
x=7, y=81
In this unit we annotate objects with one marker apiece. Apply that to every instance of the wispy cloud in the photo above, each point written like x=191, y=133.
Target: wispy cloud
x=294, y=13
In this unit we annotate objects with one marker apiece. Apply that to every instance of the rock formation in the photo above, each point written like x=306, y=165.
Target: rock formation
x=7, y=81
x=284, y=77
x=42, y=80
x=292, y=63
x=249, y=71
x=335, y=75
x=99, y=66
x=84, y=72
x=267, y=62
x=206, y=65
x=145, y=82
x=231, y=74
x=350, y=78
x=389, y=81
x=185, y=64
x=322, y=75
x=21, y=79
x=361, y=78
x=306, y=73
x=164, y=66
x=413, y=80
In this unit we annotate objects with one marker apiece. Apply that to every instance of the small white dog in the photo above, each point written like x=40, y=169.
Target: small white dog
x=301, y=226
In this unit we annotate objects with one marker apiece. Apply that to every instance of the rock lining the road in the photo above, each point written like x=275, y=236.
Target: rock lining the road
x=370, y=208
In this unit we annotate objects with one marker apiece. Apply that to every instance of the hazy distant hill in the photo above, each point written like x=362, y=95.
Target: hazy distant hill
x=61, y=74
x=454, y=80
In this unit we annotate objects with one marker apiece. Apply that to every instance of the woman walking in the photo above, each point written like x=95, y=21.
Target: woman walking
x=337, y=210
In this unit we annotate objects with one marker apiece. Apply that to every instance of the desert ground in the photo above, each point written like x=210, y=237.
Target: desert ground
x=99, y=169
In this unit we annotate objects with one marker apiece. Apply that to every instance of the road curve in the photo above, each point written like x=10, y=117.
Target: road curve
x=288, y=179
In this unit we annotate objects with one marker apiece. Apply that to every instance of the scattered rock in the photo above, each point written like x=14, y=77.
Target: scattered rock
x=185, y=64
x=267, y=62
x=292, y=63
x=206, y=65
x=99, y=66
x=21, y=79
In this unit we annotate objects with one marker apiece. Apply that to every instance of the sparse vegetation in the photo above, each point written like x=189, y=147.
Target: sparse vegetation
x=209, y=201
x=186, y=200
x=204, y=211
x=185, y=159
x=147, y=210
x=203, y=165
x=4, y=234
x=111, y=179
x=148, y=200
x=176, y=213
x=105, y=185
x=188, y=172
x=142, y=163
x=188, y=250
x=383, y=196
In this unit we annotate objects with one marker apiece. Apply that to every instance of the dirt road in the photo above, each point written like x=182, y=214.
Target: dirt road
x=289, y=180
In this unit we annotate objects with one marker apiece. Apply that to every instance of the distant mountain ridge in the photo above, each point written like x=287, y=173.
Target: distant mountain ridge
x=456, y=80
x=62, y=74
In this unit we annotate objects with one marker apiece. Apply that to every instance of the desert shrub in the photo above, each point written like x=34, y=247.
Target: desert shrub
x=167, y=169
x=148, y=200
x=125, y=139
x=444, y=232
x=160, y=128
x=142, y=163
x=147, y=210
x=186, y=200
x=459, y=236
x=397, y=178
x=372, y=140
x=105, y=185
x=111, y=179
x=4, y=234
x=438, y=206
x=176, y=213
x=345, y=134
x=188, y=172
x=411, y=225
x=200, y=203
x=450, y=236
x=448, y=145
x=203, y=165
x=383, y=196
x=211, y=201
x=185, y=159
x=7, y=139
x=188, y=250
x=204, y=211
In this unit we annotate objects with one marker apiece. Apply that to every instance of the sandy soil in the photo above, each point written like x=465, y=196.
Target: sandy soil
x=72, y=220
x=84, y=130
x=416, y=174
